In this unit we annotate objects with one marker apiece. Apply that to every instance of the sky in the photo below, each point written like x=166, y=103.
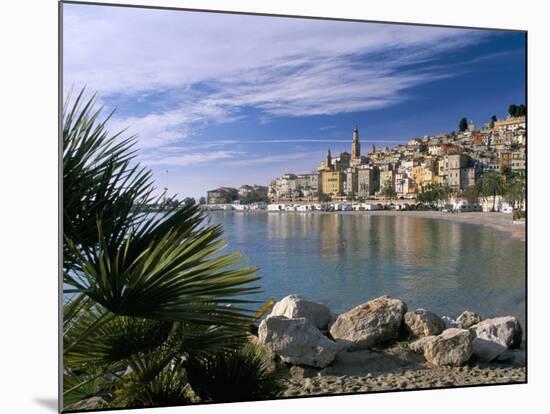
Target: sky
x=226, y=100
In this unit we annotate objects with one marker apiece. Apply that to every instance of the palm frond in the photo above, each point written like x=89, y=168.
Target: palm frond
x=113, y=342
x=174, y=270
x=77, y=388
x=154, y=379
x=241, y=375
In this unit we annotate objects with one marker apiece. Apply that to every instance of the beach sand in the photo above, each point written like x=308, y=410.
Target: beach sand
x=499, y=221
x=396, y=368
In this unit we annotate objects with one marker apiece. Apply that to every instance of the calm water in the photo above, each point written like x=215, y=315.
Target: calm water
x=344, y=260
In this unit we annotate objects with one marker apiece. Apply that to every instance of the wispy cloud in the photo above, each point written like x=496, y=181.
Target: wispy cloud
x=189, y=159
x=275, y=66
x=272, y=159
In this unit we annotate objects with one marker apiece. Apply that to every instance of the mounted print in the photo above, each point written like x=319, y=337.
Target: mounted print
x=259, y=207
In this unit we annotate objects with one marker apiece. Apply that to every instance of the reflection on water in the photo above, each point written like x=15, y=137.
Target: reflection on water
x=344, y=260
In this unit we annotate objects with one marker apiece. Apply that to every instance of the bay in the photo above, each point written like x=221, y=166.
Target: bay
x=344, y=260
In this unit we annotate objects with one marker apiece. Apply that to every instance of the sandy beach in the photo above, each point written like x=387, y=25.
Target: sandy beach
x=501, y=222
x=397, y=368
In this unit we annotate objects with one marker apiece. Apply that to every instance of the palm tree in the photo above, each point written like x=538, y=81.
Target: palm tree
x=388, y=190
x=144, y=294
x=514, y=192
x=492, y=185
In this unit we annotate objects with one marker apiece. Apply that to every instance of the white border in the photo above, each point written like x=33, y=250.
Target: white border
x=28, y=165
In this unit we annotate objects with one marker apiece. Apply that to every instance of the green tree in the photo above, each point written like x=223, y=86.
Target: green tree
x=507, y=172
x=431, y=193
x=144, y=294
x=202, y=200
x=513, y=110
x=471, y=194
x=463, y=125
x=493, y=120
x=388, y=190
x=188, y=201
x=254, y=197
x=492, y=184
x=514, y=191
x=325, y=198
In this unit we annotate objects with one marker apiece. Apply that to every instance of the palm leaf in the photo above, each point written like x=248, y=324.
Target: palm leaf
x=167, y=273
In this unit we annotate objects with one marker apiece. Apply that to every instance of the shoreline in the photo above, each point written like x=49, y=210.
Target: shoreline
x=500, y=222
x=395, y=369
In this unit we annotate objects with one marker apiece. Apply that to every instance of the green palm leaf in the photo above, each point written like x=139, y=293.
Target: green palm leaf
x=141, y=290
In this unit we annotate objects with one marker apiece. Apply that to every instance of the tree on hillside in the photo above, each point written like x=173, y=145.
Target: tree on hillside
x=517, y=110
x=493, y=120
x=463, y=125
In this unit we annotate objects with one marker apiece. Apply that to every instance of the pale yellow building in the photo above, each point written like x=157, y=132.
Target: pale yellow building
x=332, y=182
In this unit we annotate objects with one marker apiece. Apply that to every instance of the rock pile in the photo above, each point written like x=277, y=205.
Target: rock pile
x=302, y=332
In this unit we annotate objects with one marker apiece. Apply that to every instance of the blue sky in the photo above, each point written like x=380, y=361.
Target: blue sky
x=224, y=100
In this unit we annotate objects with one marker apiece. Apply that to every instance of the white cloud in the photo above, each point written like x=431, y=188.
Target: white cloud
x=188, y=159
x=271, y=159
x=214, y=65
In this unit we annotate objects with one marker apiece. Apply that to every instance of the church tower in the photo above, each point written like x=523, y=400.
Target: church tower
x=329, y=160
x=355, y=146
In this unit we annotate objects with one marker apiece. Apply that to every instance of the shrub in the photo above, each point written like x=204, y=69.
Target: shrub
x=518, y=215
x=240, y=375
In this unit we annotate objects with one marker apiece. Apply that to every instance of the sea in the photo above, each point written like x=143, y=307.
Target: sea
x=345, y=260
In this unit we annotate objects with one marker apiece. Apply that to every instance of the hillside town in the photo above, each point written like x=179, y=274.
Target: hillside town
x=457, y=165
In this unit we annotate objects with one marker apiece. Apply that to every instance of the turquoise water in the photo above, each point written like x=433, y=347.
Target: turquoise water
x=344, y=260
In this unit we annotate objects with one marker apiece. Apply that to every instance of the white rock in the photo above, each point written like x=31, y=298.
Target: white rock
x=451, y=323
x=468, y=318
x=369, y=324
x=294, y=306
x=494, y=336
x=422, y=322
x=297, y=341
x=419, y=345
x=452, y=348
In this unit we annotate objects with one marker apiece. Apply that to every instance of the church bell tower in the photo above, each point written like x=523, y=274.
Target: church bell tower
x=355, y=146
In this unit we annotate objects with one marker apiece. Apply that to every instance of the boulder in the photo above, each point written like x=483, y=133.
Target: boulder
x=487, y=349
x=422, y=322
x=419, y=345
x=452, y=348
x=468, y=318
x=294, y=306
x=514, y=357
x=451, y=323
x=297, y=341
x=494, y=336
x=369, y=324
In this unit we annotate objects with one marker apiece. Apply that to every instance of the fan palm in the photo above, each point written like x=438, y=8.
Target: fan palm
x=492, y=185
x=142, y=291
